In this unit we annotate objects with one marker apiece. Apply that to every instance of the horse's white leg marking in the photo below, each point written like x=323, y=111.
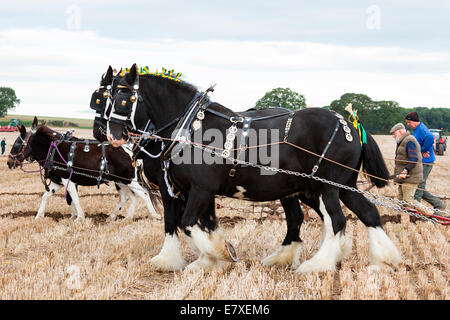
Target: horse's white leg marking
x=143, y=194
x=72, y=190
x=212, y=248
x=205, y=263
x=383, y=252
x=170, y=257
x=284, y=255
x=123, y=199
x=334, y=248
x=74, y=210
x=132, y=206
x=240, y=193
x=53, y=187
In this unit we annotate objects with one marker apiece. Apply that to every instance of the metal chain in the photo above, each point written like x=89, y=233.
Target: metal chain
x=107, y=181
x=376, y=199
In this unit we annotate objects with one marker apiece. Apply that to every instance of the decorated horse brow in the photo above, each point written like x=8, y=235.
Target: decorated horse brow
x=166, y=74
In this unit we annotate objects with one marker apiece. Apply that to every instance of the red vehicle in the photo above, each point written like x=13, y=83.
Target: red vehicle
x=12, y=126
x=440, y=142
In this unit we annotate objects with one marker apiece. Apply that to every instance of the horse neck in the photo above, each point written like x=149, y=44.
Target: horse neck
x=40, y=146
x=163, y=101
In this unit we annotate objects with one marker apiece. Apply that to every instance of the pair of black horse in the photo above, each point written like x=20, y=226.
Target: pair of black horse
x=162, y=108
x=168, y=108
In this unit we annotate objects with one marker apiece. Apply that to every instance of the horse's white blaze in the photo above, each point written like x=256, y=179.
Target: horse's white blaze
x=240, y=193
x=170, y=258
x=333, y=249
x=53, y=187
x=383, y=252
x=284, y=255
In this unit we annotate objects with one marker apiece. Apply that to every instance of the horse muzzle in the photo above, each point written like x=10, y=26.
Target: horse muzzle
x=114, y=142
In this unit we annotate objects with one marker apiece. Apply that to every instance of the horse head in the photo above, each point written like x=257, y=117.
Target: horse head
x=21, y=149
x=123, y=107
x=152, y=100
x=101, y=102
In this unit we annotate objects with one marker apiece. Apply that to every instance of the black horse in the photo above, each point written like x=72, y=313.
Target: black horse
x=51, y=150
x=101, y=102
x=167, y=103
x=170, y=258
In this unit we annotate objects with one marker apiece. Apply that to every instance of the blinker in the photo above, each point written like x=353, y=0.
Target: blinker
x=105, y=94
x=133, y=99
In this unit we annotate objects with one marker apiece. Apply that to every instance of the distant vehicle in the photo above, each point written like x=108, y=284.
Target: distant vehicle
x=13, y=125
x=440, y=142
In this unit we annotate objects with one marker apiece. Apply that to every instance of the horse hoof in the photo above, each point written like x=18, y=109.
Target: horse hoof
x=284, y=256
x=160, y=263
x=314, y=266
x=206, y=264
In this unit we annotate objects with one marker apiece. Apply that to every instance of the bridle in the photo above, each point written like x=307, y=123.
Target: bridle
x=14, y=157
x=124, y=104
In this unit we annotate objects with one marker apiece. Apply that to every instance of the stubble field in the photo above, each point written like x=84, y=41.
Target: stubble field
x=58, y=258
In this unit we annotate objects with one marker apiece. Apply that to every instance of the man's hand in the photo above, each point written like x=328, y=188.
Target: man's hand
x=403, y=174
x=426, y=154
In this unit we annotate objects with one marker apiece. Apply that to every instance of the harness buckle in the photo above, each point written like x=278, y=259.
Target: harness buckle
x=237, y=119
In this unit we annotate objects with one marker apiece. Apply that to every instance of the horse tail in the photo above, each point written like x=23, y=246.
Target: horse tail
x=373, y=162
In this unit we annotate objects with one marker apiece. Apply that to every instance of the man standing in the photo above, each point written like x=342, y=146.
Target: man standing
x=408, y=173
x=3, y=144
x=426, y=141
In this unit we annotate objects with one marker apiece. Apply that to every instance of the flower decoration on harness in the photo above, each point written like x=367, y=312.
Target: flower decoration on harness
x=357, y=124
x=167, y=74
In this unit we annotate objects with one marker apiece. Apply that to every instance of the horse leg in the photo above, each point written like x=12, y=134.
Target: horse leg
x=132, y=207
x=288, y=253
x=383, y=253
x=335, y=245
x=53, y=187
x=170, y=257
x=199, y=223
x=72, y=190
x=144, y=195
x=123, y=199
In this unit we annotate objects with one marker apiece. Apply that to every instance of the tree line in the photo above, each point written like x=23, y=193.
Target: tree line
x=377, y=117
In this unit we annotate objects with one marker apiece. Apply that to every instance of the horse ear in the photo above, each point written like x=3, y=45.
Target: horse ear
x=132, y=75
x=109, y=75
x=23, y=131
x=34, y=125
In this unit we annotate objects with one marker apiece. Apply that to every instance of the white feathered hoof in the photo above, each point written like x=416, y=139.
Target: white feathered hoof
x=334, y=249
x=206, y=264
x=287, y=255
x=170, y=258
x=165, y=264
x=212, y=244
x=383, y=253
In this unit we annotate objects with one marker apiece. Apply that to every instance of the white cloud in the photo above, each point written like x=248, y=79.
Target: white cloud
x=55, y=71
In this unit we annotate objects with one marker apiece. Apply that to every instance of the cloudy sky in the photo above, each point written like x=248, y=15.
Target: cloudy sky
x=54, y=52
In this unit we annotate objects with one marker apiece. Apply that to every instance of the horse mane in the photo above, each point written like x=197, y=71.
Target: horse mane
x=49, y=133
